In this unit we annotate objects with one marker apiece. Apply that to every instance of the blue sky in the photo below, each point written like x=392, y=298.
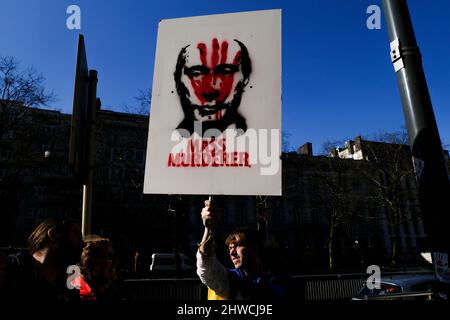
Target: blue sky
x=338, y=81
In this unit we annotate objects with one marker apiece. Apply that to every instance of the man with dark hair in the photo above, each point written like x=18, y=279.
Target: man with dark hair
x=249, y=279
x=40, y=273
x=210, y=81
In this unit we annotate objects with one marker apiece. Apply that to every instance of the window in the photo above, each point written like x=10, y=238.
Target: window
x=130, y=155
x=166, y=261
x=35, y=213
x=240, y=215
x=115, y=173
x=45, y=147
x=316, y=214
x=5, y=153
x=140, y=156
x=296, y=210
x=49, y=129
x=117, y=154
x=40, y=191
x=4, y=173
x=9, y=134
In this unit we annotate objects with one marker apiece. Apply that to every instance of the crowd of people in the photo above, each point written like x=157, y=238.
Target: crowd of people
x=54, y=248
x=60, y=265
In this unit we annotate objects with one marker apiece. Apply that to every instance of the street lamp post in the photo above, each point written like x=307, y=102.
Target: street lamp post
x=428, y=158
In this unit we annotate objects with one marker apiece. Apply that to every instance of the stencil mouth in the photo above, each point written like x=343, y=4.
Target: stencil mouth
x=210, y=110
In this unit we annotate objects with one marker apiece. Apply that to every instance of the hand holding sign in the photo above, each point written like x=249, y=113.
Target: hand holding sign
x=210, y=221
x=209, y=215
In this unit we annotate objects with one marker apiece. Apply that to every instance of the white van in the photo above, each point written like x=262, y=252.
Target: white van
x=164, y=262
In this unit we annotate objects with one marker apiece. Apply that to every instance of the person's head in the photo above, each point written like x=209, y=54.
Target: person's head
x=243, y=247
x=210, y=79
x=61, y=236
x=98, y=260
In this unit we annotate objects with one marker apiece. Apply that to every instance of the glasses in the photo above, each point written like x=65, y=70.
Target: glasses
x=234, y=246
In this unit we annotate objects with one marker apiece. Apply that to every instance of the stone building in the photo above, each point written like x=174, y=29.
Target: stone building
x=324, y=197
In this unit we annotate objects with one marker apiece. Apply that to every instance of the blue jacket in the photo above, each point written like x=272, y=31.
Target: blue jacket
x=266, y=287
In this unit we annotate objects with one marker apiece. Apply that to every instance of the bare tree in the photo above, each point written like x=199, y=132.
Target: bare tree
x=20, y=90
x=285, y=143
x=22, y=137
x=335, y=199
x=143, y=100
x=390, y=176
x=329, y=146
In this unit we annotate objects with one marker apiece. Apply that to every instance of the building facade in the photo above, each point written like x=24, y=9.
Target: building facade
x=332, y=215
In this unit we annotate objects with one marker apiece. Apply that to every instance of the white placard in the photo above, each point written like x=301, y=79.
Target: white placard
x=215, y=120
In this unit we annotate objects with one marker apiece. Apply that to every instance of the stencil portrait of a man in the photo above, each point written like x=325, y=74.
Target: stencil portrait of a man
x=210, y=79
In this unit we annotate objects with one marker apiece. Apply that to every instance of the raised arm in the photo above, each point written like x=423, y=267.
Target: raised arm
x=211, y=272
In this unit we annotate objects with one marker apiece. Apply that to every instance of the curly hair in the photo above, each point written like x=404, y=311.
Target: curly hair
x=92, y=251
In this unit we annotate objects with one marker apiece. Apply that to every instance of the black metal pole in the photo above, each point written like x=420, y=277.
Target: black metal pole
x=86, y=227
x=430, y=165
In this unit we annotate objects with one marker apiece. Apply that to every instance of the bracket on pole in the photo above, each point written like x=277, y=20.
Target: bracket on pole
x=396, y=55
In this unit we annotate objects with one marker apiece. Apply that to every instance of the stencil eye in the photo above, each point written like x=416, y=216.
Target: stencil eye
x=226, y=69
x=196, y=71
x=195, y=74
